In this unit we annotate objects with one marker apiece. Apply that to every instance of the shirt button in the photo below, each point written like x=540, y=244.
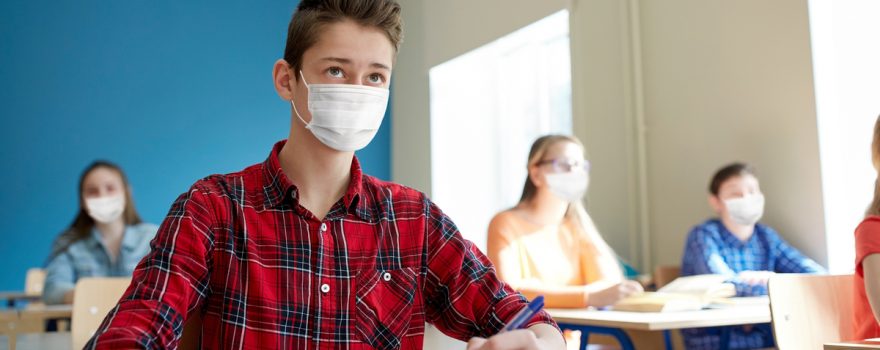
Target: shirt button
x=325, y=288
x=386, y=276
x=323, y=227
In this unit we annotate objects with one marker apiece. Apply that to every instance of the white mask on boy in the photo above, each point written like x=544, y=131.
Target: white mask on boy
x=345, y=117
x=746, y=210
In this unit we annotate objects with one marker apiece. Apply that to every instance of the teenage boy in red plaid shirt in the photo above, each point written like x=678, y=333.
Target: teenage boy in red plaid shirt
x=304, y=251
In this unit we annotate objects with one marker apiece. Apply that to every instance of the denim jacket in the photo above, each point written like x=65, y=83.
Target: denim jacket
x=89, y=258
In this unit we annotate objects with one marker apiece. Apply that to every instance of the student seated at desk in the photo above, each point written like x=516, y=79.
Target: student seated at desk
x=547, y=244
x=867, y=276
x=106, y=239
x=736, y=245
x=304, y=250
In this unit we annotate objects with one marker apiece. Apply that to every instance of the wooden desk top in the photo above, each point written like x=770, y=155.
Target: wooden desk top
x=655, y=321
x=8, y=315
x=18, y=295
x=46, y=312
x=856, y=344
x=34, y=341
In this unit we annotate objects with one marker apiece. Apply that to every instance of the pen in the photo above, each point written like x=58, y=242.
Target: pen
x=524, y=315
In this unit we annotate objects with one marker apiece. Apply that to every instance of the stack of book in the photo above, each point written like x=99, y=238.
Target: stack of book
x=685, y=294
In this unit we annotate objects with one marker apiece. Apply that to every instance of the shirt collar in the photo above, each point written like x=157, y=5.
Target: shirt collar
x=277, y=186
x=130, y=239
x=730, y=239
x=96, y=237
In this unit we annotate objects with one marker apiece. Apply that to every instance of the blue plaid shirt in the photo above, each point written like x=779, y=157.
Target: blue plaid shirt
x=89, y=258
x=712, y=249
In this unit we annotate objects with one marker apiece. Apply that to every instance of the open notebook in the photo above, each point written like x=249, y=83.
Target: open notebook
x=683, y=294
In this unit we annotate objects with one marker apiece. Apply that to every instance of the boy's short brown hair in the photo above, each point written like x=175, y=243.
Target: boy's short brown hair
x=312, y=15
x=727, y=172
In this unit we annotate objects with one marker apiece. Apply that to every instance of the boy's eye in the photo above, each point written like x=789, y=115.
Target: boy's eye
x=376, y=78
x=335, y=72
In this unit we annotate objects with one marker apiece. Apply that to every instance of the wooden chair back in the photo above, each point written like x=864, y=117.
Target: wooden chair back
x=810, y=310
x=34, y=280
x=663, y=274
x=93, y=298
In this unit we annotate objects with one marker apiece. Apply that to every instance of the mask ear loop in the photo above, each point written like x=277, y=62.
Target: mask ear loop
x=294, y=105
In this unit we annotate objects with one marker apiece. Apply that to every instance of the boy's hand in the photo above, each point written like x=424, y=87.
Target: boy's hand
x=537, y=337
x=755, y=277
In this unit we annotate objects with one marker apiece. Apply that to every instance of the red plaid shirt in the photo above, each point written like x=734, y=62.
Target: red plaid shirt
x=264, y=273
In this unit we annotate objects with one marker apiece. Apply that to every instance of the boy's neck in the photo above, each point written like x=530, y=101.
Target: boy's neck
x=320, y=173
x=741, y=232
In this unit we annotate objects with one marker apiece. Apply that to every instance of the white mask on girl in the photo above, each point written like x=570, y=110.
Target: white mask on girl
x=105, y=209
x=568, y=186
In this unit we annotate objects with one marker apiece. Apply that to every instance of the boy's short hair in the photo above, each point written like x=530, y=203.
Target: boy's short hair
x=727, y=172
x=312, y=15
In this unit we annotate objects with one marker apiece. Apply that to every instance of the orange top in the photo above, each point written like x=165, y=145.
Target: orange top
x=867, y=243
x=553, y=261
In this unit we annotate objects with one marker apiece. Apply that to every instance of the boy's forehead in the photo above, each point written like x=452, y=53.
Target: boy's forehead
x=348, y=42
x=739, y=181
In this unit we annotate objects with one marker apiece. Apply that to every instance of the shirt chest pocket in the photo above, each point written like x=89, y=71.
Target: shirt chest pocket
x=385, y=302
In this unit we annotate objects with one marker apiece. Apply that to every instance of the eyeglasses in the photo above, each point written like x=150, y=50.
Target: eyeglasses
x=565, y=165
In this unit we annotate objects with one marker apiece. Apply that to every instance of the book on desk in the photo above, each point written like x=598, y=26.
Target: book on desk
x=688, y=293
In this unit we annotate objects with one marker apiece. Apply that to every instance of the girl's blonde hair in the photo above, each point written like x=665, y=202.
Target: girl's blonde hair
x=874, y=209
x=576, y=214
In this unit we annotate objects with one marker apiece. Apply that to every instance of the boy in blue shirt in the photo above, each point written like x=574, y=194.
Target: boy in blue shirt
x=736, y=245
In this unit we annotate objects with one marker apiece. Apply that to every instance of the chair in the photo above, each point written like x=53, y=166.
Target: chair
x=810, y=310
x=34, y=280
x=93, y=298
x=663, y=274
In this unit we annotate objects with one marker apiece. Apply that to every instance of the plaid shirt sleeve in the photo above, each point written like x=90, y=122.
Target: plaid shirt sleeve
x=464, y=296
x=789, y=259
x=168, y=282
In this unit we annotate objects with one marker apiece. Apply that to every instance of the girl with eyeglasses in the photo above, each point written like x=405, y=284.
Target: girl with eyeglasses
x=547, y=244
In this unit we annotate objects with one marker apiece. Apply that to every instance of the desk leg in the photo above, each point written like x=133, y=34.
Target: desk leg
x=617, y=333
x=585, y=340
x=667, y=339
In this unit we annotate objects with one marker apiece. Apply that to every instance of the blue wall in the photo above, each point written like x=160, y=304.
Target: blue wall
x=170, y=90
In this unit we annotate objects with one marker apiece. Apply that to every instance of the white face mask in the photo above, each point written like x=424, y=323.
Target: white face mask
x=746, y=210
x=345, y=117
x=105, y=209
x=568, y=186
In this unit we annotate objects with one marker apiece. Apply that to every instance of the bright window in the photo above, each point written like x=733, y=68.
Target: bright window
x=846, y=71
x=487, y=107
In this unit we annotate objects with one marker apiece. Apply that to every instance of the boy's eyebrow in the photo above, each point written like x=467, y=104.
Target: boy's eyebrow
x=337, y=60
x=380, y=66
x=348, y=61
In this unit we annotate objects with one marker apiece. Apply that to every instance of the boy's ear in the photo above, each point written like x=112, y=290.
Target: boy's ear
x=716, y=203
x=285, y=82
